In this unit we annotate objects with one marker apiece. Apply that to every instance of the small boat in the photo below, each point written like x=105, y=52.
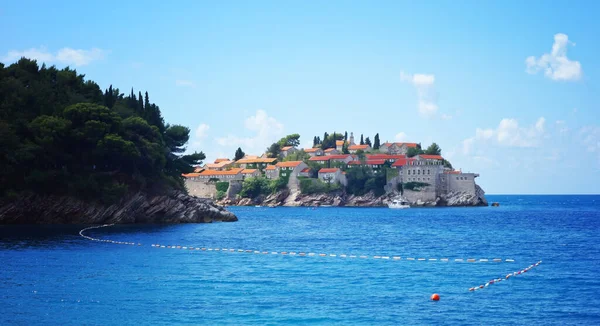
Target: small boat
x=398, y=204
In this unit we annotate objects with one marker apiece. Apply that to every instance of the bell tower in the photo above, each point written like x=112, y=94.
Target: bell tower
x=351, y=140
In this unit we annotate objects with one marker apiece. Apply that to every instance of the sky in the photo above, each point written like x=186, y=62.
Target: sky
x=507, y=89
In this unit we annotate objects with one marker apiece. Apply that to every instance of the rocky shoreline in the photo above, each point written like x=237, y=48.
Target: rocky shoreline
x=174, y=207
x=341, y=199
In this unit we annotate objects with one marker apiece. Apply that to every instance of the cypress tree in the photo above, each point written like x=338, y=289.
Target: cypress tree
x=376, y=143
x=140, y=105
x=362, y=142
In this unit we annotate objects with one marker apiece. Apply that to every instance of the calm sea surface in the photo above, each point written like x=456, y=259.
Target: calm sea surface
x=49, y=275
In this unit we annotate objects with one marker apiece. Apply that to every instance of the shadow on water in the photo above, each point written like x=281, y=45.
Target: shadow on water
x=31, y=236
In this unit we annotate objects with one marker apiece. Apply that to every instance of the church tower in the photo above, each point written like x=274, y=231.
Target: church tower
x=351, y=140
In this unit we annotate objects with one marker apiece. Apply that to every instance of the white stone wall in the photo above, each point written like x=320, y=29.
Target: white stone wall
x=201, y=189
x=463, y=182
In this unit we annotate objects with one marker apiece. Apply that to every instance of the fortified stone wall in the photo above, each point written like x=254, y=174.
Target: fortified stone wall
x=464, y=182
x=426, y=194
x=201, y=189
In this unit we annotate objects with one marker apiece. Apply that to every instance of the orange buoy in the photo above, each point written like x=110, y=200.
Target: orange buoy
x=435, y=297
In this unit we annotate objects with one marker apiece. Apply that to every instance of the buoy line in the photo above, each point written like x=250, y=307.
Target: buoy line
x=508, y=276
x=294, y=253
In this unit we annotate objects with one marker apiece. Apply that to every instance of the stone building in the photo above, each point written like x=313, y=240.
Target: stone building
x=332, y=175
x=314, y=152
x=332, y=151
x=396, y=148
x=354, y=148
x=287, y=150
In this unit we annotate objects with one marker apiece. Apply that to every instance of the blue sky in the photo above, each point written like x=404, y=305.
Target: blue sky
x=507, y=89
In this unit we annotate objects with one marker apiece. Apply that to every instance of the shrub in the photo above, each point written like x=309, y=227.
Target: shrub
x=220, y=195
x=254, y=187
x=316, y=186
x=222, y=186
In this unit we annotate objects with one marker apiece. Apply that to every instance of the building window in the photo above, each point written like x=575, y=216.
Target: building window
x=418, y=171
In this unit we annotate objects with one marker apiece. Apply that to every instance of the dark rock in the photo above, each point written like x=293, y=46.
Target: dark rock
x=175, y=207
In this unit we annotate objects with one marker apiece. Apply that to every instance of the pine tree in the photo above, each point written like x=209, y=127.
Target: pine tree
x=376, y=143
x=315, y=142
x=140, y=105
x=368, y=141
x=147, y=107
x=239, y=154
x=362, y=142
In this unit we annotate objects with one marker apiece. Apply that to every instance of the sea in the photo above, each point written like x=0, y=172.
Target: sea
x=316, y=266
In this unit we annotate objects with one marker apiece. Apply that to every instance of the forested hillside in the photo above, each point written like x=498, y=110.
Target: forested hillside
x=61, y=134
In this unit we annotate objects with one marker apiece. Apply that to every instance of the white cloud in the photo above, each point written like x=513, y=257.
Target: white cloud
x=185, y=83
x=266, y=130
x=508, y=134
x=562, y=126
x=67, y=56
x=401, y=137
x=423, y=83
x=555, y=64
x=199, y=136
x=591, y=138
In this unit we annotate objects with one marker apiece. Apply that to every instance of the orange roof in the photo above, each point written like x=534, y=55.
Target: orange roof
x=357, y=147
x=198, y=169
x=431, y=157
x=329, y=150
x=339, y=143
x=311, y=150
x=256, y=160
x=248, y=171
x=331, y=170
x=219, y=165
x=213, y=172
x=292, y=164
x=219, y=160
x=271, y=167
x=285, y=148
x=305, y=170
x=191, y=175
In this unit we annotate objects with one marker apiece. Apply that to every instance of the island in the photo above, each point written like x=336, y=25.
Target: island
x=336, y=171
x=72, y=153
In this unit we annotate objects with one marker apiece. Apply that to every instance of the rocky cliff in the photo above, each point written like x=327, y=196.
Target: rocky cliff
x=340, y=198
x=175, y=207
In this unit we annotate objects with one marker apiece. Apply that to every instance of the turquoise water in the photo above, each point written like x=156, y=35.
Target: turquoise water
x=50, y=275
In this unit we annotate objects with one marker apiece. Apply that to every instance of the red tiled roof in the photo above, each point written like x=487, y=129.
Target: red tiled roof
x=330, y=157
x=354, y=163
x=292, y=164
x=248, y=171
x=329, y=150
x=339, y=143
x=357, y=147
x=400, y=144
x=271, y=167
x=219, y=160
x=452, y=172
x=305, y=170
x=402, y=162
x=256, y=160
x=431, y=157
x=285, y=148
x=385, y=157
x=311, y=150
x=218, y=165
x=213, y=172
x=329, y=170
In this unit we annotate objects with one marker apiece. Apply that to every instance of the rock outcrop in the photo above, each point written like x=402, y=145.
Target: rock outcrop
x=340, y=198
x=175, y=207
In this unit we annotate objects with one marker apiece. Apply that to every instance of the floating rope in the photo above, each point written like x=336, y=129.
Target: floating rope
x=293, y=253
x=508, y=276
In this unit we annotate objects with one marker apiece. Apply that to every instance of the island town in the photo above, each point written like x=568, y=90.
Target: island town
x=336, y=166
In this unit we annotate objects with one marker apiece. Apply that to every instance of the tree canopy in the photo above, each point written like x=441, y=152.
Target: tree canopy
x=433, y=149
x=60, y=134
x=376, y=142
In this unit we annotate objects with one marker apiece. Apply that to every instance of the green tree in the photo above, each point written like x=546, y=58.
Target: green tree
x=274, y=150
x=368, y=142
x=376, y=142
x=315, y=142
x=413, y=151
x=345, y=136
x=345, y=149
x=362, y=142
x=239, y=154
x=433, y=149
